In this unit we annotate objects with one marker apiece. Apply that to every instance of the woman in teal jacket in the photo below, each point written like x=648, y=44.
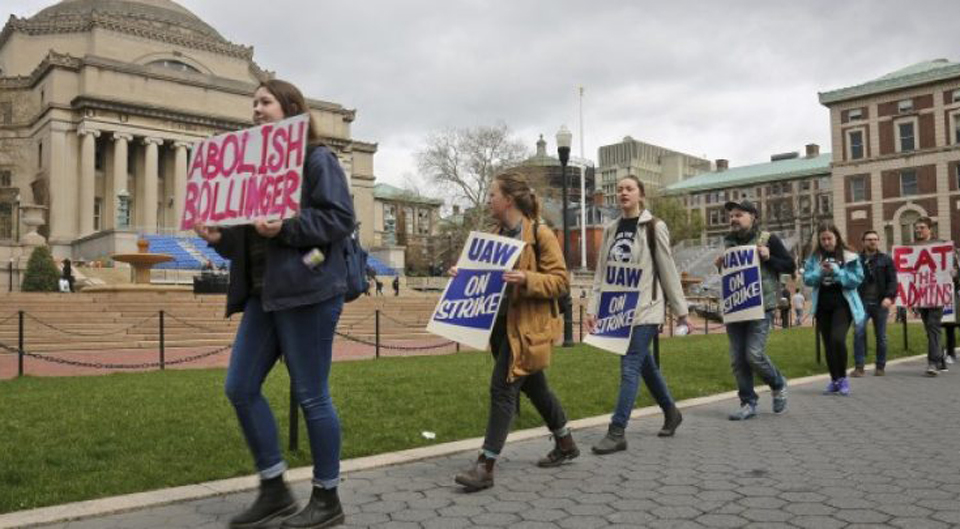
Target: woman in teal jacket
x=834, y=272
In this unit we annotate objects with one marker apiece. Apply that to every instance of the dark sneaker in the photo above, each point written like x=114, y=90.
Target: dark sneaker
x=323, y=510
x=843, y=387
x=479, y=476
x=780, y=399
x=671, y=421
x=832, y=387
x=746, y=411
x=931, y=370
x=614, y=441
x=564, y=450
x=273, y=501
x=858, y=372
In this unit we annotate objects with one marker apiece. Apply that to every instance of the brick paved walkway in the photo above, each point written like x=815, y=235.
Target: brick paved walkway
x=887, y=456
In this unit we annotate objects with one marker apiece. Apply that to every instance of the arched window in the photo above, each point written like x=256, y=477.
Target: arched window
x=171, y=64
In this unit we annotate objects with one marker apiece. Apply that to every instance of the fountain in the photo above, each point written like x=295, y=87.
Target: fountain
x=142, y=262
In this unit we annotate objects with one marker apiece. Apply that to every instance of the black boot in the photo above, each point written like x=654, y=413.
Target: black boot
x=564, y=450
x=274, y=500
x=323, y=510
x=671, y=420
x=479, y=476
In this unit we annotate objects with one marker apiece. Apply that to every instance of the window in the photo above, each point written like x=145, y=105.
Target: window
x=858, y=189
x=804, y=205
x=956, y=128
x=40, y=155
x=855, y=114
x=715, y=217
x=908, y=183
x=905, y=136
x=856, y=144
x=6, y=220
x=956, y=96
x=123, y=211
x=97, y=213
x=823, y=202
x=905, y=106
x=6, y=112
x=805, y=185
x=6, y=178
x=171, y=64
x=957, y=168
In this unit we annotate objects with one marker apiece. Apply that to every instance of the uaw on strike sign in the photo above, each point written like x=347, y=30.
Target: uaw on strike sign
x=925, y=276
x=742, y=289
x=468, y=308
x=619, y=298
x=238, y=177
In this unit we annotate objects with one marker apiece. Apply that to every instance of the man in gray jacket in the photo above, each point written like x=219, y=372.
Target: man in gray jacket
x=748, y=339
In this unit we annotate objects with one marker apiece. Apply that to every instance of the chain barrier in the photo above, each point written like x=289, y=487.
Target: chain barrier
x=108, y=365
x=98, y=333
x=364, y=320
x=395, y=347
x=8, y=349
x=189, y=324
x=418, y=323
x=8, y=318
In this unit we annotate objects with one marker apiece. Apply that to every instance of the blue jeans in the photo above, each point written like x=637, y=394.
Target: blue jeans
x=304, y=336
x=638, y=362
x=748, y=356
x=879, y=316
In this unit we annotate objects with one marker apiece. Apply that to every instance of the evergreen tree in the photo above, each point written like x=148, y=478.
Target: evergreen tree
x=42, y=274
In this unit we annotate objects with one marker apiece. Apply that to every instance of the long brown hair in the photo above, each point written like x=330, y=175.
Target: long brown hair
x=515, y=186
x=292, y=103
x=841, y=245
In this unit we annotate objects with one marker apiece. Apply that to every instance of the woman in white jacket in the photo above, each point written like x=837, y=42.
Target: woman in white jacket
x=638, y=237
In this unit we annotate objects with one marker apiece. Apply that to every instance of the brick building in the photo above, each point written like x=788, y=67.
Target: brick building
x=896, y=152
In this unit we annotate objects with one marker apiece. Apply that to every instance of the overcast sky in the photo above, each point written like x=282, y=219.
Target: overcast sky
x=731, y=79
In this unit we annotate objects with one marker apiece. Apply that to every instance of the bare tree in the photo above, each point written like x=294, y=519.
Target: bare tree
x=464, y=162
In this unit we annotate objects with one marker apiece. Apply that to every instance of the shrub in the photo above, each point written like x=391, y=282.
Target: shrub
x=42, y=274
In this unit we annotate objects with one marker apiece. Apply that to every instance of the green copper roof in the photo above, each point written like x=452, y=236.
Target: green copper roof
x=913, y=75
x=754, y=174
x=389, y=192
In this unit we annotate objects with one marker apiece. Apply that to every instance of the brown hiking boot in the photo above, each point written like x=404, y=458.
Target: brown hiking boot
x=879, y=372
x=857, y=372
x=564, y=450
x=479, y=476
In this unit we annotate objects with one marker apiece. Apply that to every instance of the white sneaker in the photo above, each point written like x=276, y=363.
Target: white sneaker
x=949, y=359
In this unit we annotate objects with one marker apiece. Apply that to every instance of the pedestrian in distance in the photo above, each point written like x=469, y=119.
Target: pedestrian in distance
x=748, y=339
x=798, y=302
x=526, y=326
x=396, y=286
x=878, y=292
x=834, y=273
x=379, y=287
x=289, y=309
x=931, y=316
x=637, y=237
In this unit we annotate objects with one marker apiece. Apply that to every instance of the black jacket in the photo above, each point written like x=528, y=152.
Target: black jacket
x=879, y=269
x=325, y=220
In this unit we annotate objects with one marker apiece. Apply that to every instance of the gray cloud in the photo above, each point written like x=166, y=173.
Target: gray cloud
x=733, y=79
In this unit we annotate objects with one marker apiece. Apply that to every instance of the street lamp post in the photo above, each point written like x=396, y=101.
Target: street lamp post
x=564, y=138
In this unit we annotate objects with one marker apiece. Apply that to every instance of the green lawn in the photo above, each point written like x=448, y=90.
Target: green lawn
x=70, y=439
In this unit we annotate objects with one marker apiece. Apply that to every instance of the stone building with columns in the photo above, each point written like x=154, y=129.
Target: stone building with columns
x=100, y=103
x=896, y=152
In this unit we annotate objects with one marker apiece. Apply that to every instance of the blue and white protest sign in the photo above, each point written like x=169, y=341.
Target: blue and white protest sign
x=469, y=305
x=741, y=287
x=619, y=298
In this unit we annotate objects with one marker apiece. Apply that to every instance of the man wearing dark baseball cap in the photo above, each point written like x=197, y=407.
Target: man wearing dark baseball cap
x=748, y=339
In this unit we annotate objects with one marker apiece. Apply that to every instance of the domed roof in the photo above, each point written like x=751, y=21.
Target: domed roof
x=158, y=14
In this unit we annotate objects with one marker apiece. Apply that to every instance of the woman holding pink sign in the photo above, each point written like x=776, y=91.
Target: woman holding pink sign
x=291, y=299
x=640, y=238
x=834, y=272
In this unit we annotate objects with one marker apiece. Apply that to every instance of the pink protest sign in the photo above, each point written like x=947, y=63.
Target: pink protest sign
x=924, y=275
x=238, y=177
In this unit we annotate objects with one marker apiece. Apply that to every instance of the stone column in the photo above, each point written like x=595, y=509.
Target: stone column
x=63, y=188
x=179, y=181
x=88, y=147
x=120, y=172
x=150, y=185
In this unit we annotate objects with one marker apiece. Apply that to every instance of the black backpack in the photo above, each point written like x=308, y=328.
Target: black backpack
x=356, y=258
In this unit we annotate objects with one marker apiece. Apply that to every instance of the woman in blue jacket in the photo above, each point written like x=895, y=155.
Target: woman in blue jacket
x=834, y=272
x=289, y=309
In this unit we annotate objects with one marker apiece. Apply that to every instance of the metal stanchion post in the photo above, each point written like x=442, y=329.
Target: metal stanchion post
x=816, y=337
x=162, y=351
x=377, y=331
x=906, y=344
x=20, y=344
x=581, y=322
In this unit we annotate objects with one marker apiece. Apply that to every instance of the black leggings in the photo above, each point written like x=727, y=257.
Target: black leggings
x=832, y=325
